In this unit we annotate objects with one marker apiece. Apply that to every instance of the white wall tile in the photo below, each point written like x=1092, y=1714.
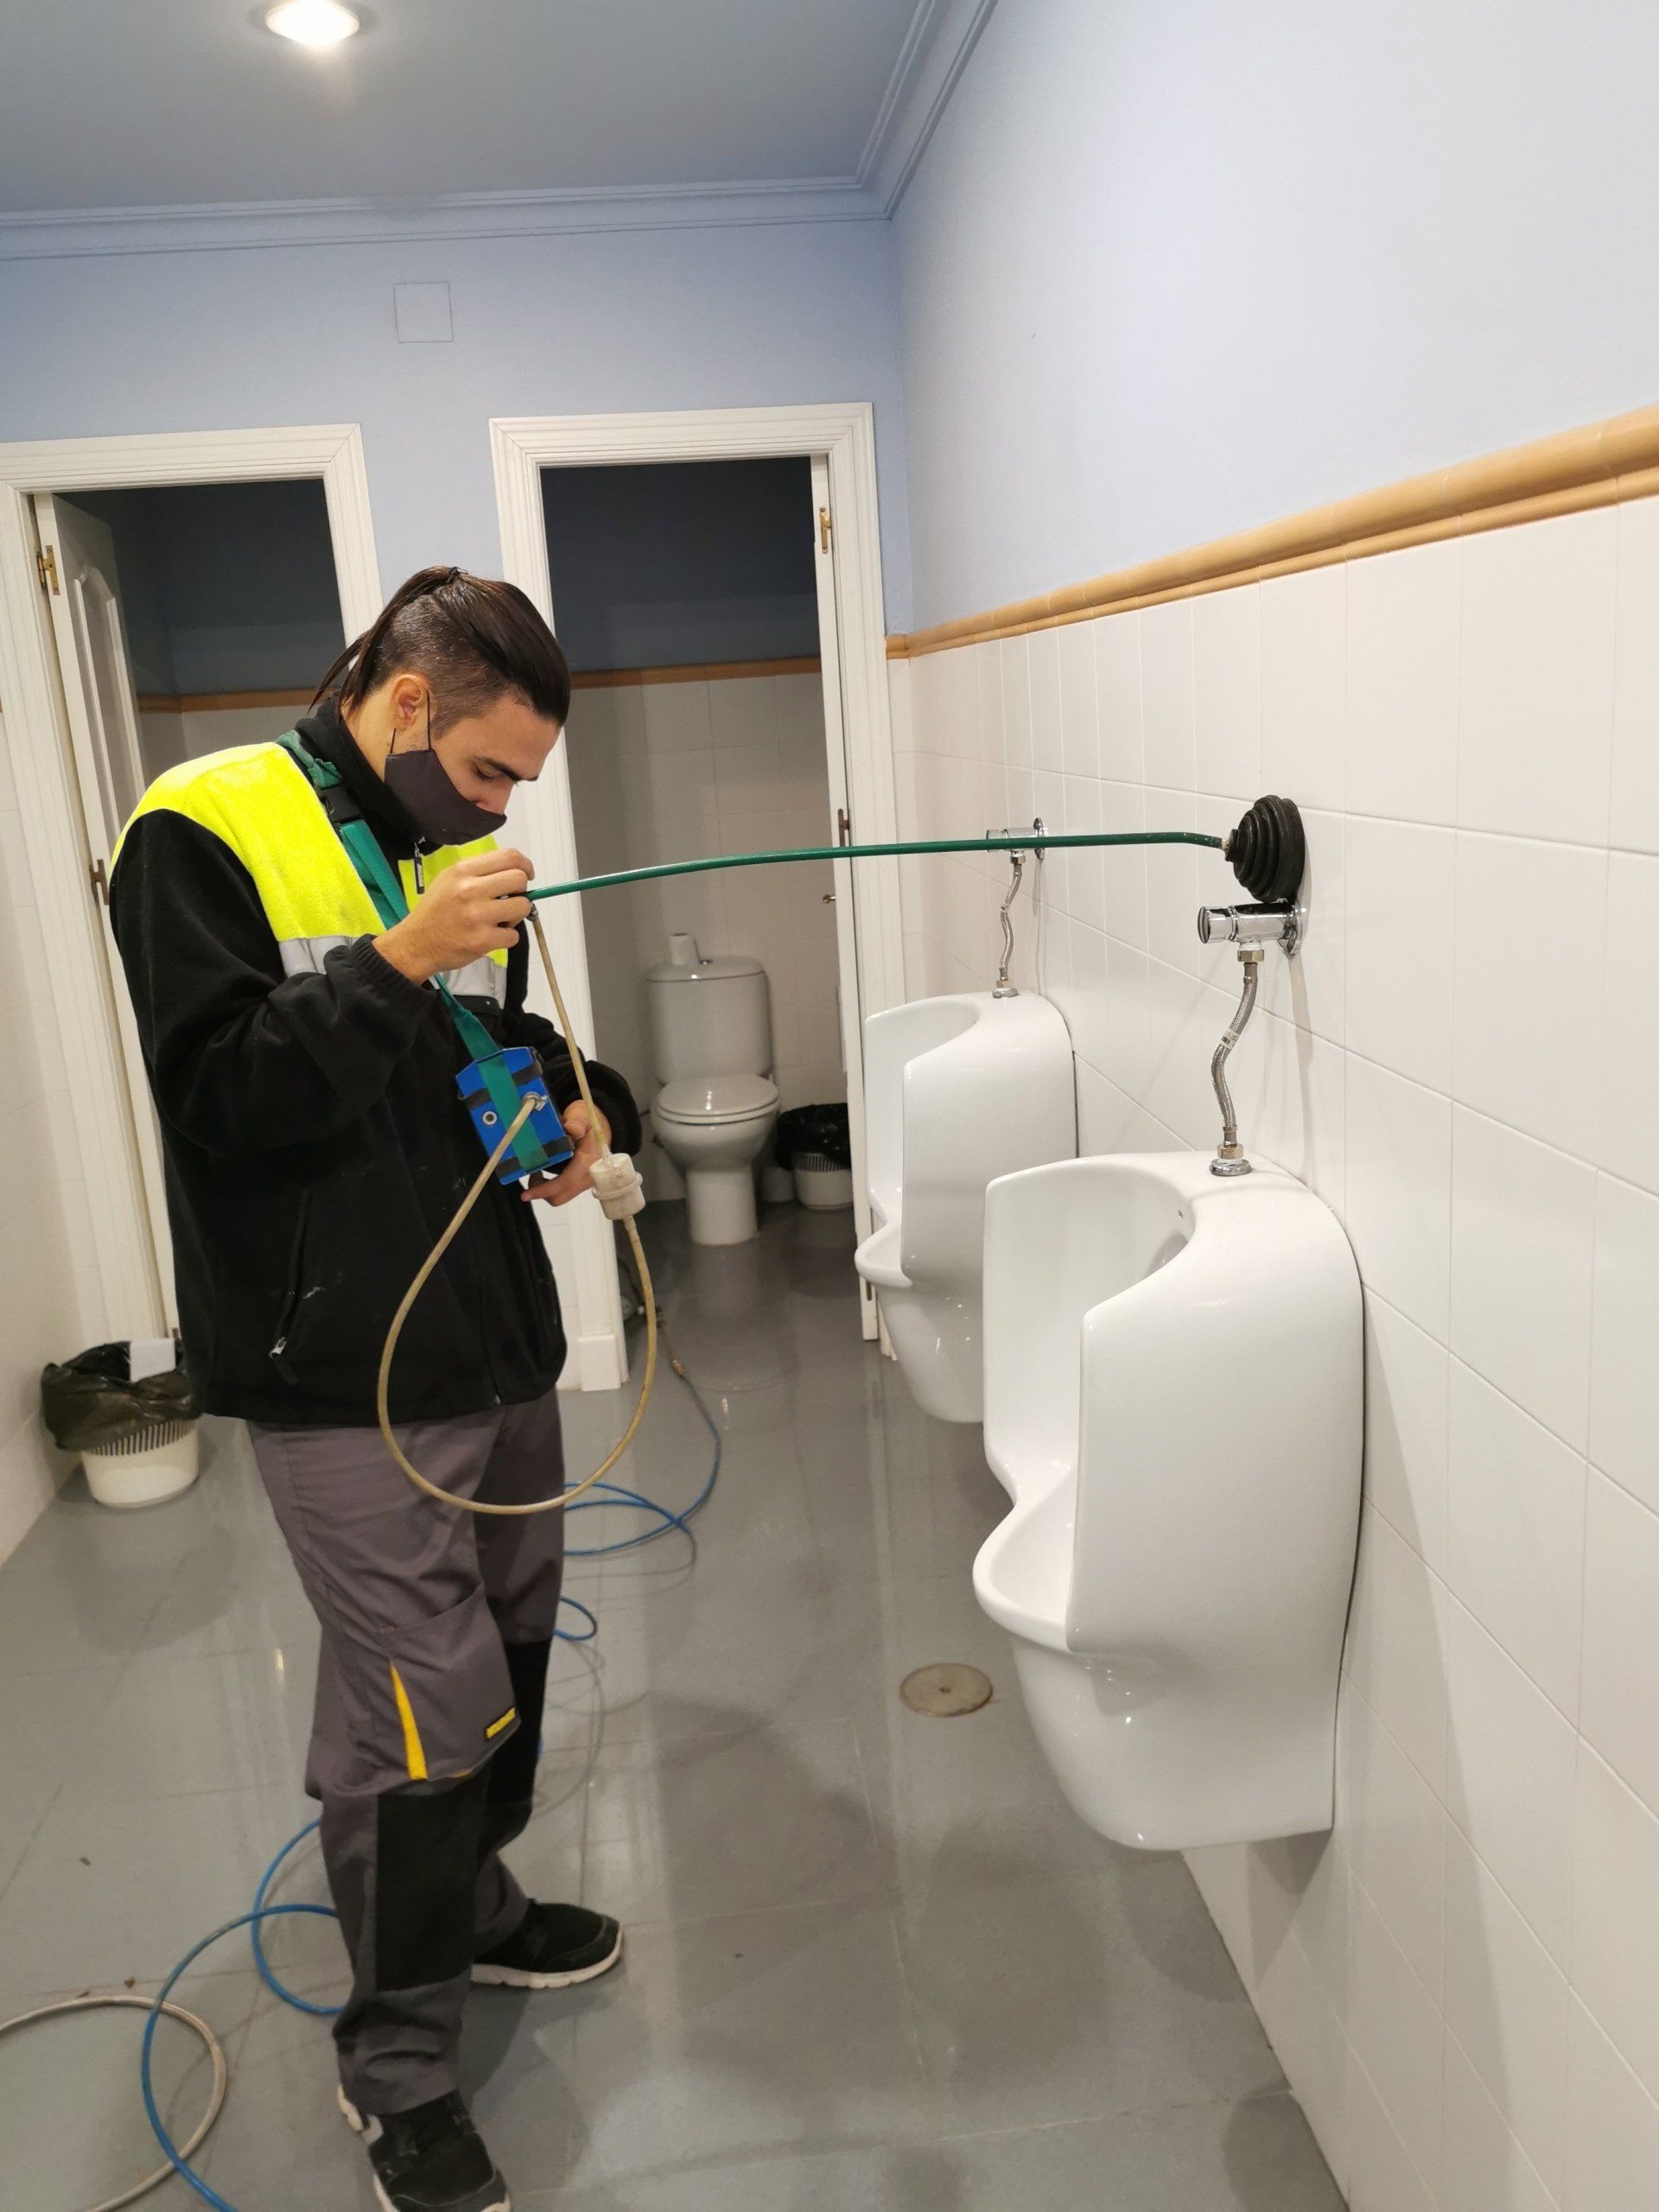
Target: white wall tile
x=1625, y=1373
x=990, y=743
x=1613, y=2126
x=1079, y=709
x=1401, y=888
x=1529, y=962
x=1634, y=809
x=1403, y=623
x=1016, y=700
x=1515, y=1549
x=1406, y=1428
x=1616, y=1914
x=741, y=712
x=1619, y=1709
x=1535, y=697
x=1123, y=807
x=1395, y=2026
x=1399, y=1204
x=1117, y=686
x=1289, y=1088
x=1393, y=1825
x=1381, y=2176
x=1482, y=2167
x=1086, y=866
x=1043, y=668
x=1523, y=1233
x=1493, y=1226
x=1129, y=1049
x=1506, y=2004
x=1304, y=685
x=1172, y=882
x=1509, y=1762
x=1227, y=691
x=1630, y=1026
x=1310, y=989
x=1397, y=1646
x=1166, y=695
x=676, y=716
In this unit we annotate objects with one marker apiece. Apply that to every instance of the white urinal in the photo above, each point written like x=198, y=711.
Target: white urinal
x=958, y=1091
x=1173, y=1401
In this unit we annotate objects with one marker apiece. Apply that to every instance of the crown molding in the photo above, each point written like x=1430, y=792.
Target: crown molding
x=942, y=36
x=240, y=225
x=937, y=47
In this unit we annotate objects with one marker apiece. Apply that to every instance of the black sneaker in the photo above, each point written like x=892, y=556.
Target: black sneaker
x=431, y=2159
x=553, y=1947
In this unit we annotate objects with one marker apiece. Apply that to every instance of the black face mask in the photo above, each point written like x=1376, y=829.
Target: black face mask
x=421, y=783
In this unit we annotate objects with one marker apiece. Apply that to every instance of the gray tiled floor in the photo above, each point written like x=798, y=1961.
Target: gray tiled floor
x=874, y=1959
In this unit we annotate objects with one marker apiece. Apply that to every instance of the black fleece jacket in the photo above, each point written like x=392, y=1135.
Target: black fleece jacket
x=315, y=1146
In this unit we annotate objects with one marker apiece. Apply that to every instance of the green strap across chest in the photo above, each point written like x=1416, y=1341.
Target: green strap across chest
x=380, y=879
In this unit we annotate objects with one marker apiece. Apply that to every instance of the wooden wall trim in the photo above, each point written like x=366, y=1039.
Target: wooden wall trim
x=1595, y=467
x=598, y=679
x=616, y=679
x=205, y=703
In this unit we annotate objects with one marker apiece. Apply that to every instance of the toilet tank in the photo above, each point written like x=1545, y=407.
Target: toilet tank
x=709, y=1017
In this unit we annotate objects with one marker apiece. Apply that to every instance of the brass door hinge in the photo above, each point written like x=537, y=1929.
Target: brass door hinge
x=47, y=562
x=99, y=881
x=825, y=525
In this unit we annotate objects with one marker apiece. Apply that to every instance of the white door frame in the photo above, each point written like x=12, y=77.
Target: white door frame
x=845, y=436
x=91, y=1124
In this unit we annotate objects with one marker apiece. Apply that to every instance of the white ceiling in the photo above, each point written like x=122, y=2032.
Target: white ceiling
x=146, y=103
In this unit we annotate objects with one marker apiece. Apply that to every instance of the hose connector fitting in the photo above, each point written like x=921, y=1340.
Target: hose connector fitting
x=617, y=1187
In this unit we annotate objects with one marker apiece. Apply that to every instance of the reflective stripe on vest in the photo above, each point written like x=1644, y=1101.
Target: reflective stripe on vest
x=257, y=802
x=483, y=978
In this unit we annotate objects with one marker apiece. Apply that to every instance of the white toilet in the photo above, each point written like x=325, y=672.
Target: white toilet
x=958, y=1091
x=711, y=1041
x=1173, y=1401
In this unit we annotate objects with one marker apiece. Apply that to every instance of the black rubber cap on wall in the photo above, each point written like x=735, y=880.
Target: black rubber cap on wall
x=1268, y=849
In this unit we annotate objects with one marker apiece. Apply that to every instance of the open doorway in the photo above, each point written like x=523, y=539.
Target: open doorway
x=160, y=598
x=837, y=443
x=686, y=597
x=187, y=619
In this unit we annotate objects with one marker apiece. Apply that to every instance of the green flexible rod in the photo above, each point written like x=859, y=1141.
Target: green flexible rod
x=1024, y=841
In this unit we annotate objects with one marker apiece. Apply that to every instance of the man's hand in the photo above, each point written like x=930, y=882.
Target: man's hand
x=576, y=1174
x=473, y=908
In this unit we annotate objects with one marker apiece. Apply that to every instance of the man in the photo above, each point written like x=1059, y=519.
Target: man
x=303, y=1067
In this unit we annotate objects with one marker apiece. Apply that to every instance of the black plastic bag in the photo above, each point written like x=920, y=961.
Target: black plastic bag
x=821, y=1129
x=89, y=1402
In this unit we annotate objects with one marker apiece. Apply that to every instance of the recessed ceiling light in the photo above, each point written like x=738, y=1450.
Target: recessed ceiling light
x=312, y=23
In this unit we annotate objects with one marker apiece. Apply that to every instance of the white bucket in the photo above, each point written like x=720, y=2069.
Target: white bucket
x=154, y=1467
x=820, y=1183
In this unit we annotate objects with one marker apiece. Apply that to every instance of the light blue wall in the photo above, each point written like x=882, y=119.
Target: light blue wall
x=1170, y=268
x=745, y=316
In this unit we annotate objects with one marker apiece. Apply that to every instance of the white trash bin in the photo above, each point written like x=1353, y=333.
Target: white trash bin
x=146, y=1470
x=128, y=1412
x=821, y=1183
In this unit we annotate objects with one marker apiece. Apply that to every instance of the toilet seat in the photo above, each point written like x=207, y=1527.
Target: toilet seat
x=707, y=1101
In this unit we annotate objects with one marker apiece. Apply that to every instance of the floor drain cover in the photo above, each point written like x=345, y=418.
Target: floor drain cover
x=945, y=1690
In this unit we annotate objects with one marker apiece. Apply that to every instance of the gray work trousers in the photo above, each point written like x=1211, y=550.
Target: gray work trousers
x=436, y=1626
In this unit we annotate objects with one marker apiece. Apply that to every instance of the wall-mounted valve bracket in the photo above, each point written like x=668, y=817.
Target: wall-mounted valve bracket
x=1268, y=852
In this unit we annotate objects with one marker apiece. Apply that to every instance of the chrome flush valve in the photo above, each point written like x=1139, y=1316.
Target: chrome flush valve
x=1267, y=851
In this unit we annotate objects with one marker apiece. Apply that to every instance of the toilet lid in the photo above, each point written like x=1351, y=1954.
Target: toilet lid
x=705, y=1098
